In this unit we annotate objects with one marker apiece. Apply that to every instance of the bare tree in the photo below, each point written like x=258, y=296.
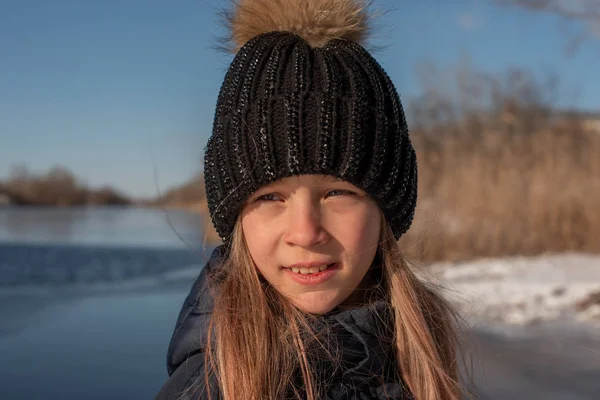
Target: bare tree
x=581, y=15
x=19, y=173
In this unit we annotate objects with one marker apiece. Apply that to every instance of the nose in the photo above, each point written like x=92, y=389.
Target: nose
x=305, y=228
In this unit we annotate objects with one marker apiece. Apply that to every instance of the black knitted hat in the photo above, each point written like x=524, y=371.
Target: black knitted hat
x=303, y=97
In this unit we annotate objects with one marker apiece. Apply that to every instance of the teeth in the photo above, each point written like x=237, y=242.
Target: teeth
x=311, y=270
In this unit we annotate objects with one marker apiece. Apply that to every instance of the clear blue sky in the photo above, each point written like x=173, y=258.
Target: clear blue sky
x=116, y=89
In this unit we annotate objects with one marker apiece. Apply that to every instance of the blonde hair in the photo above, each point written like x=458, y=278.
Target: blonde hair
x=257, y=339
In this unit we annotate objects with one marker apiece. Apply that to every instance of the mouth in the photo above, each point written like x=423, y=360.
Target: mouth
x=313, y=275
x=312, y=270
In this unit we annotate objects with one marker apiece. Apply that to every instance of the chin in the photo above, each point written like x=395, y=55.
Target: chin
x=317, y=302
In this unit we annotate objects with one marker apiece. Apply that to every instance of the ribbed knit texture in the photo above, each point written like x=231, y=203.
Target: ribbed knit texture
x=288, y=109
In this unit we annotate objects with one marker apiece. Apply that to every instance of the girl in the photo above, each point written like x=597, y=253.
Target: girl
x=311, y=179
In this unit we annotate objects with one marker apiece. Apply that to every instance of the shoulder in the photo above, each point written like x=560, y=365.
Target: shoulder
x=188, y=382
x=191, y=328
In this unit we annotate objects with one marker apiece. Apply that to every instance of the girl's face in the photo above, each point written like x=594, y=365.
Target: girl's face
x=312, y=237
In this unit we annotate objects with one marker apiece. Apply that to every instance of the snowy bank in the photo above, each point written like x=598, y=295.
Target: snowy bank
x=523, y=290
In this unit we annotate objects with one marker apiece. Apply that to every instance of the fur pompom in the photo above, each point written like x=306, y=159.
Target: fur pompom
x=316, y=21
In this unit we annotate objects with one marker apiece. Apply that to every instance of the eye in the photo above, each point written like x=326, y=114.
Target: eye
x=339, y=192
x=267, y=197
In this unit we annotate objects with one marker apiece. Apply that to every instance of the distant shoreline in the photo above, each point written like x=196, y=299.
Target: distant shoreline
x=198, y=207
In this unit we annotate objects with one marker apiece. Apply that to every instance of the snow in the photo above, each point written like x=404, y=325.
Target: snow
x=521, y=291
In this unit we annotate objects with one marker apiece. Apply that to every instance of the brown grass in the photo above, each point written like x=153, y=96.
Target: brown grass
x=524, y=195
x=521, y=179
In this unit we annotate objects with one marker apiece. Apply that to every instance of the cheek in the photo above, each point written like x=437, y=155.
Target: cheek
x=258, y=240
x=363, y=235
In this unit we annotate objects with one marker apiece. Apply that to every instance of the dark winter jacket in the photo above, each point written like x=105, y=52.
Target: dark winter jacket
x=368, y=370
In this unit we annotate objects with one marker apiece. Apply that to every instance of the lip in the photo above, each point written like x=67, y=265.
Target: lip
x=312, y=279
x=309, y=265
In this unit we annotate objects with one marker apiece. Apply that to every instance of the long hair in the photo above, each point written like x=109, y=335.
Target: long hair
x=257, y=341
